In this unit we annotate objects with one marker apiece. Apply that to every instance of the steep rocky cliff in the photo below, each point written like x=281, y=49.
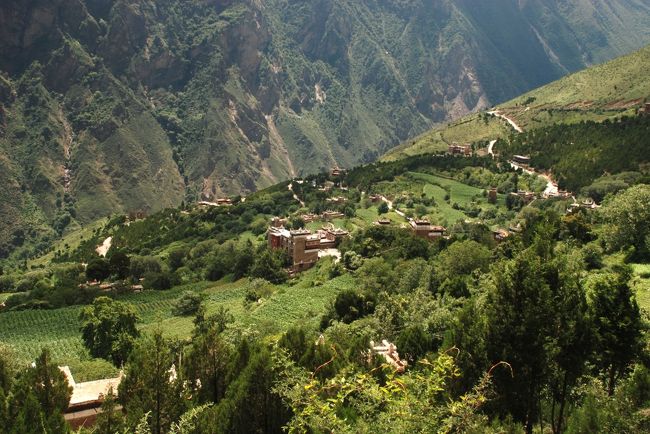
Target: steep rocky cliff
x=117, y=105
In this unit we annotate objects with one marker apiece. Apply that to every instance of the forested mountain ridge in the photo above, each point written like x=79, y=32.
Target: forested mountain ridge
x=110, y=106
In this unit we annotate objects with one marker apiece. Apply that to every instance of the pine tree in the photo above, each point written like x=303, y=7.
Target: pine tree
x=617, y=324
x=111, y=419
x=45, y=384
x=29, y=418
x=149, y=385
x=207, y=364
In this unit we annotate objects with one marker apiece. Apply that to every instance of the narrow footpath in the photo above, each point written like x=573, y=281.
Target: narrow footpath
x=390, y=206
x=491, y=148
x=295, y=196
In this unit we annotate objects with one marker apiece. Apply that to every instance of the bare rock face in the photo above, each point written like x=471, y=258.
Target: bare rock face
x=127, y=34
x=244, y=42
x=158, y=66
x=31, y=30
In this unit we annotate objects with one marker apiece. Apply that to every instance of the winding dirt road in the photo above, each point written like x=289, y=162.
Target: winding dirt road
x=105, y=247
x=295, y=196
x=551, y=186
x=512, y=123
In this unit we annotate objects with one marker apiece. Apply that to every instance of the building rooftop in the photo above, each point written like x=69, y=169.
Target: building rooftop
x=300, y=232
x=90, y=391
x=282, y=232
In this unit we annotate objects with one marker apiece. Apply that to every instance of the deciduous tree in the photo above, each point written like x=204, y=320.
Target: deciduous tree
x=108, y=329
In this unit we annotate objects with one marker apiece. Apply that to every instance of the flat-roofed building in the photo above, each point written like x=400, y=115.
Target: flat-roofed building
x=383, y=222
x=331, y=215
x=424, y=229
x=456, y=149
x=301, y=245
x=87, y=398
x=521, y=159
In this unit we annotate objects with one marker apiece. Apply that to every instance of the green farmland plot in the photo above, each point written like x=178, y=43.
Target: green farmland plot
x=642, y=284
x=27, y=332
x=459, y=192
x=451, y=197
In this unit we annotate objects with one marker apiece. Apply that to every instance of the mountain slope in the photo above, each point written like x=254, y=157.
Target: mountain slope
x=606, y=91
x=111, y=106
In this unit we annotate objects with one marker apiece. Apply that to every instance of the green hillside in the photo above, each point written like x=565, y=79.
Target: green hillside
x=198, y=291
x=580, y=127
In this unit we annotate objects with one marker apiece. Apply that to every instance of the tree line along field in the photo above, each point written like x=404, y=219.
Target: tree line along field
x=27, y=332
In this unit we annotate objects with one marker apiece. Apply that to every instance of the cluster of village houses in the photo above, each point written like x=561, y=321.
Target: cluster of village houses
x=305, y=248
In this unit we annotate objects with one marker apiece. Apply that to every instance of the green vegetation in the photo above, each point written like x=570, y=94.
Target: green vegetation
x=476, y=128
x=554, y=302
x=542, y=325
x=579, y=154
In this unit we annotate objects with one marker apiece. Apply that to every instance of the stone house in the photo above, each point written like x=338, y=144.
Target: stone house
x=87, y=398
x=456, y=149
x=424, y=229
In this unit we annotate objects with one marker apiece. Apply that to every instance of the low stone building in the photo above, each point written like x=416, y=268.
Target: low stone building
x=87, y=398
x=521, y=159
x=389, y=352
x=526, y=196
x=332, y=215
x=500, y=235
x=308, y=218
x=335, y=234
x=337, y=200
x=137, y=215
x=456, y=149
x=424, y=229
x=278, y=222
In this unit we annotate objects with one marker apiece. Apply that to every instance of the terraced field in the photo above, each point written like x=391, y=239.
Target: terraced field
x=607, y=91
x=27, y=332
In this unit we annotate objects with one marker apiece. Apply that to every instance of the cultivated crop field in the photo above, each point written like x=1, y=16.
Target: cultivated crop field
x=642, y=285
x=27, y=332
